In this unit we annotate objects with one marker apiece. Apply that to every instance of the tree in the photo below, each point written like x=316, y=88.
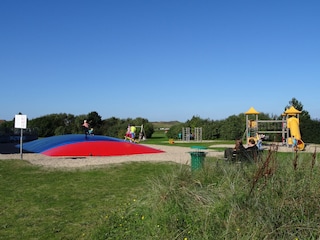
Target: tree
x=233, y=127
x=298, y=105
x=174, y=131
x=94, y=119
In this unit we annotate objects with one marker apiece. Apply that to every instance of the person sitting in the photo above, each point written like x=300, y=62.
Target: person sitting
x=252, y=150
x=230, y=152
x=252, y=145
x=260, y=137
x=240, y=153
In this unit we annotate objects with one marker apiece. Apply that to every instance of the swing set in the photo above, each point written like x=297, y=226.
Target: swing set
x=131, y=134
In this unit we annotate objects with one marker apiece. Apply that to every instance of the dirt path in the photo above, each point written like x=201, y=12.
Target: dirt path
x=175, y=154
x=171, y=154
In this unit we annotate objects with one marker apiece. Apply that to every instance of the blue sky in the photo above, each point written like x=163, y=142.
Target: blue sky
x=161, y=60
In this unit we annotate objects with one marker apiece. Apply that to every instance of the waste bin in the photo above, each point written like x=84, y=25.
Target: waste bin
x=197, y=158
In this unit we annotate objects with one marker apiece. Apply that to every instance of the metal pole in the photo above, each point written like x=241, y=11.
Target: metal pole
x=21, y=143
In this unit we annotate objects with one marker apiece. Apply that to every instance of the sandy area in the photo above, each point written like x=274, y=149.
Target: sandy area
x=175, y=154
x=171, y=154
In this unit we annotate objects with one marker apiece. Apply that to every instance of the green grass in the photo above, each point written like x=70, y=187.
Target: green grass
x=160, y=138
x=277, y=198
x=268, y=200
x=53, y=204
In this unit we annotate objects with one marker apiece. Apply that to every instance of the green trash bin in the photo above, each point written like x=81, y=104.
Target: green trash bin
x=197, y=158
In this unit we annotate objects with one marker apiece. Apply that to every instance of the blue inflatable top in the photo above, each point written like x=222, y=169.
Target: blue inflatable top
x=43, y=144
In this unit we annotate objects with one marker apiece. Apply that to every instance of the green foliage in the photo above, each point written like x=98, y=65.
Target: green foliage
x=210, y=129
x=6, y=127
x=174, y=131
x=233, y=127
x=271, y=199
x=58, y=124
x=168, y=124
x=228, y=129
x=299, y=106
x=53, y=124
x=310, y=130
x=277, y=198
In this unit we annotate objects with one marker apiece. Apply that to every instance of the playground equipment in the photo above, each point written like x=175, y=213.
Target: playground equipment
x=288, y=127
x=78, y=145
x=292, y=116
x=131, y=134
x=187, y=135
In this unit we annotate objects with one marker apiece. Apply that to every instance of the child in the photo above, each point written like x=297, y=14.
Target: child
x=85, y=126
x=294, y=143
x=91, y=132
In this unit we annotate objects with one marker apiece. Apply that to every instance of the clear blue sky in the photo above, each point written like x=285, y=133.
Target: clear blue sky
x=158, y=59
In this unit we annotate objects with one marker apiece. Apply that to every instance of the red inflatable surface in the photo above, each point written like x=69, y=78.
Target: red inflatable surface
x=100, y=148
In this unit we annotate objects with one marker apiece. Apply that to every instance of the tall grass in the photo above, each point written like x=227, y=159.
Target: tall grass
x=275, y=198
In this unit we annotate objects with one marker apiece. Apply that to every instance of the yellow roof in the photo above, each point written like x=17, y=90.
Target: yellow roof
x=292, y=110
x=251, y=111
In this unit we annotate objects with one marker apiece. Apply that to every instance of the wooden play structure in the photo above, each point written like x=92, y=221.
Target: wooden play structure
x=288, y=127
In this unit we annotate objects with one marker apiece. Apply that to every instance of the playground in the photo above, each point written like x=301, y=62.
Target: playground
x=75, y=150
x=175, y=154
x=288, y=127
x=180, y=155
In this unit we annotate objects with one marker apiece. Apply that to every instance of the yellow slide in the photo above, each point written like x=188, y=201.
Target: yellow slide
x=293, y=125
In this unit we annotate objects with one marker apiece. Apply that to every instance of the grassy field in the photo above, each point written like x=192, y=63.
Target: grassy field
x=277, y=198
x=160, y=138
x=158, y=125
x=54, y=204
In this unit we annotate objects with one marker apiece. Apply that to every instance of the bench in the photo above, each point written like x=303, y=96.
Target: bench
x=245, y=155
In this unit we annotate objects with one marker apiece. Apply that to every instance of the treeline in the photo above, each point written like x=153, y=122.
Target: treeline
x=230, y=128
x=63, y=123
x=234, y=126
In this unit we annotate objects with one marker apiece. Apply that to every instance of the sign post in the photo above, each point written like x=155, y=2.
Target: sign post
x=20, y=122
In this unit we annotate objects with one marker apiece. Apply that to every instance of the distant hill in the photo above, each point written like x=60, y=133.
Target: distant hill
x=158, y=125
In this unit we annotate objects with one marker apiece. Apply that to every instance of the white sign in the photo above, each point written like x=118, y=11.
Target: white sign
x=20, y=121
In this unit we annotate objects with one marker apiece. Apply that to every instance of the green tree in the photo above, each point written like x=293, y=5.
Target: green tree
x=299, y=106
x=6, y=127
x=310, y=131
x=174, y=131
x=94, y=119
x=233, y=127
x=112, y=126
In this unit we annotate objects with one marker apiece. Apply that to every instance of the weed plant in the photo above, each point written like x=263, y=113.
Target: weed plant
x=274, y=198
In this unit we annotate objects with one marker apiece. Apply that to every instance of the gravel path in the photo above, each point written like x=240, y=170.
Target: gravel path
x=175, y=154
x=171, y=154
